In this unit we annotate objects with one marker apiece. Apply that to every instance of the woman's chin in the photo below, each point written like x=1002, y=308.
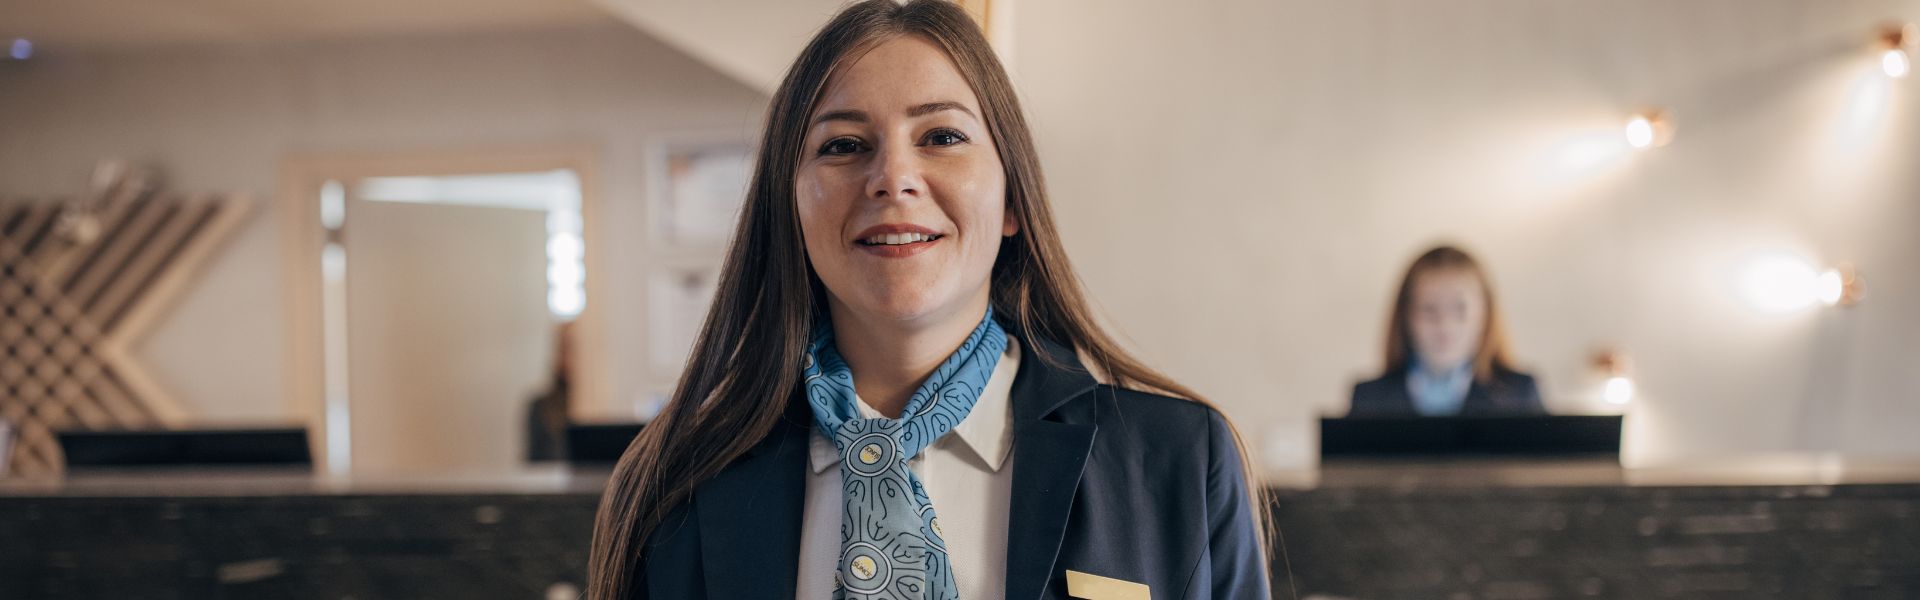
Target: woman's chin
x=907, y=306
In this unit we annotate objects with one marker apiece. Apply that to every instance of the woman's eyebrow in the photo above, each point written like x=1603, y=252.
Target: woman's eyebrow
x=933, y=107
x=841, y=115
x=858, y=116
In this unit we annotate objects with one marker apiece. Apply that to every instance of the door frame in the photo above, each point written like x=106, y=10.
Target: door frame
x=304, y=238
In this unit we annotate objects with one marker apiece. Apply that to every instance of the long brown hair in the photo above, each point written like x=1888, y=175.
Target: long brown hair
x=1492, y=355
x=745, y=363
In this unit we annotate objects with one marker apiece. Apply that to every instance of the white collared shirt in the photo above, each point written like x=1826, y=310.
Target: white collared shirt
x=968, y=476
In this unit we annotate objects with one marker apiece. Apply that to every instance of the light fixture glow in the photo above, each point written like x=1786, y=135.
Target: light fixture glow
x=1897, y=41
x=1640, y=132
x=20, y=49
x=1619, y=390
x=1614, y=368
x=1784, y=284
x=1651, y=128
x=1830, y=287
x=1895, y=63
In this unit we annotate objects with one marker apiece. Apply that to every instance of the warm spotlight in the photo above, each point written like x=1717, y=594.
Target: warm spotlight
x=1619, y=390
x=1783, y=284
x=1617, y=384
x=1895, y=64
x=1649, y=129
x=1897, y=47
x=1839, y=286
x=1829, y=287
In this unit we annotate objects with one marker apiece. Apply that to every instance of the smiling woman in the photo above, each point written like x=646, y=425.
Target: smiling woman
x=896, y=327
x=902, y=202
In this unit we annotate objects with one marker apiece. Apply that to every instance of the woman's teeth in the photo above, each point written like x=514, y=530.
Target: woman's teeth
x=895, y=239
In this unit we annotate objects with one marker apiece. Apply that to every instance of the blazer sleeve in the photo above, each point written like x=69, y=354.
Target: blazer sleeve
x=1236, y=562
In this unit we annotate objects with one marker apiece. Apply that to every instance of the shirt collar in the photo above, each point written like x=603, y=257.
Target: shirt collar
x=987, y=429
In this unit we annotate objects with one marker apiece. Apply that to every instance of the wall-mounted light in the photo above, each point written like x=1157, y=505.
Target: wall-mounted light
x=1897, y=48
x=1839, y=286
x=1784, y=284
x=20, y=49
x=1651, y=128
x=1616, y=377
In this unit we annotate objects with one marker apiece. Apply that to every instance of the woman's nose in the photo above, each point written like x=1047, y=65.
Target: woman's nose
x=896, y=175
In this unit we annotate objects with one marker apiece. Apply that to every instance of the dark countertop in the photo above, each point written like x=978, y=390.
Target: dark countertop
x=1758, y=528
x=231, y=481
x=1371, y=476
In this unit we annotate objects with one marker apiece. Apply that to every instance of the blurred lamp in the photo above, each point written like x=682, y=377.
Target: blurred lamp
x=1897, y=45
x=20, y=49
x=1781, y=284
x=1651, y=128
x=1619, y=390
x=1839, y=286
x=1618, y=387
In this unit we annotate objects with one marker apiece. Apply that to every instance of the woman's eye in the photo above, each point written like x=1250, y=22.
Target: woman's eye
x=945, y=137
x=840, y=146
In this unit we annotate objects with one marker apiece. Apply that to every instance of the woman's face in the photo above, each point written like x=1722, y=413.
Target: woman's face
x=901, y=195
x=1448, y=317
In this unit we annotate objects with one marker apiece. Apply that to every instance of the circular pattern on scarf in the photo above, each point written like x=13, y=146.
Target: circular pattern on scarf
x=868, y=570
x=930, y=529
x=875, y=454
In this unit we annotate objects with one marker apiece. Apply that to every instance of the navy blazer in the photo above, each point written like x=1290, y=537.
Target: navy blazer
x=1106, y=481
x=1511, y=393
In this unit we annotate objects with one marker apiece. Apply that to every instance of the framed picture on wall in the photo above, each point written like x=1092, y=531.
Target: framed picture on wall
x=677, y=299
x=699, y=185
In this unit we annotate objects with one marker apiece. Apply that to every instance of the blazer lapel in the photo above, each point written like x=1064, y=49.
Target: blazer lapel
x=1053, y=429
x=750, y=516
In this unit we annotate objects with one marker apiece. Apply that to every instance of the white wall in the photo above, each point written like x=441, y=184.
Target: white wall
x=1242, y=183
x=220, y=118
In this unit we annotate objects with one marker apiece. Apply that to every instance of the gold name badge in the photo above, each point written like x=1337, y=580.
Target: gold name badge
x=1095, y=587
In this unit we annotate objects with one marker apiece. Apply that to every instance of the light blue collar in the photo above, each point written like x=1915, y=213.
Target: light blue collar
x=1438, y=395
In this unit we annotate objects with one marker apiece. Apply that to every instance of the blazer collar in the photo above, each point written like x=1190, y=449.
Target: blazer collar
x=1050, y=376
x=1054, y=412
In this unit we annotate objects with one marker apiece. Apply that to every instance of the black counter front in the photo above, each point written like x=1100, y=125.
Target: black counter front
x=1514, y=529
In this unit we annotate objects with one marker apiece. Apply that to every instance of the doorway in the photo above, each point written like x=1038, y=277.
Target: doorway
x=428, y=307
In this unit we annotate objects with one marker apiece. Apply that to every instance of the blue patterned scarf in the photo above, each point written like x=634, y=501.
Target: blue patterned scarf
x=890, y=542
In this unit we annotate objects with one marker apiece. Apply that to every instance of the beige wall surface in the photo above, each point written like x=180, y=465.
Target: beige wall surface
x=223, y=117
x=1242, y=183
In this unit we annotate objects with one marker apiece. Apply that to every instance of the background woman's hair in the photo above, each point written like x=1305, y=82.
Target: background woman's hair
x=745, y=363
x=1492, y=354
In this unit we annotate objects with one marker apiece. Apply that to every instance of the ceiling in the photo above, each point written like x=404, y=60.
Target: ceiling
x=750, y=40
x=143, y=22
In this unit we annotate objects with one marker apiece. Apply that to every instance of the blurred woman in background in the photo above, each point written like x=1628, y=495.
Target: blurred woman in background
x=1446, y=351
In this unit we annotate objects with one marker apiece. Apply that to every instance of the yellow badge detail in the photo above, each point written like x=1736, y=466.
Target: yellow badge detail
x=862, y=567
x=870, y=454
x=1095, y=587
x=936, y=527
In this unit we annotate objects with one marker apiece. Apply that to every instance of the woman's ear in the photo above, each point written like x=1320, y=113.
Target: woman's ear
x=1011, y=224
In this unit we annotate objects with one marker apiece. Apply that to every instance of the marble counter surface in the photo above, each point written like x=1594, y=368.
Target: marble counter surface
x=1378, y=475
x=230, y=481
x=1779, y=528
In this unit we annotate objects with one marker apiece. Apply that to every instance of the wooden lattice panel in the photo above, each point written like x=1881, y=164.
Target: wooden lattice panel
x=71, y=307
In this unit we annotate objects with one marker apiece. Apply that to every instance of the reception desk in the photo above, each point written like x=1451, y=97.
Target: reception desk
x=1789, y=527
x=1770, y=527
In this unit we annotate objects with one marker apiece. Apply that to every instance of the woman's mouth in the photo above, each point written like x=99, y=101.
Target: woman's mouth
x=898, y=245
